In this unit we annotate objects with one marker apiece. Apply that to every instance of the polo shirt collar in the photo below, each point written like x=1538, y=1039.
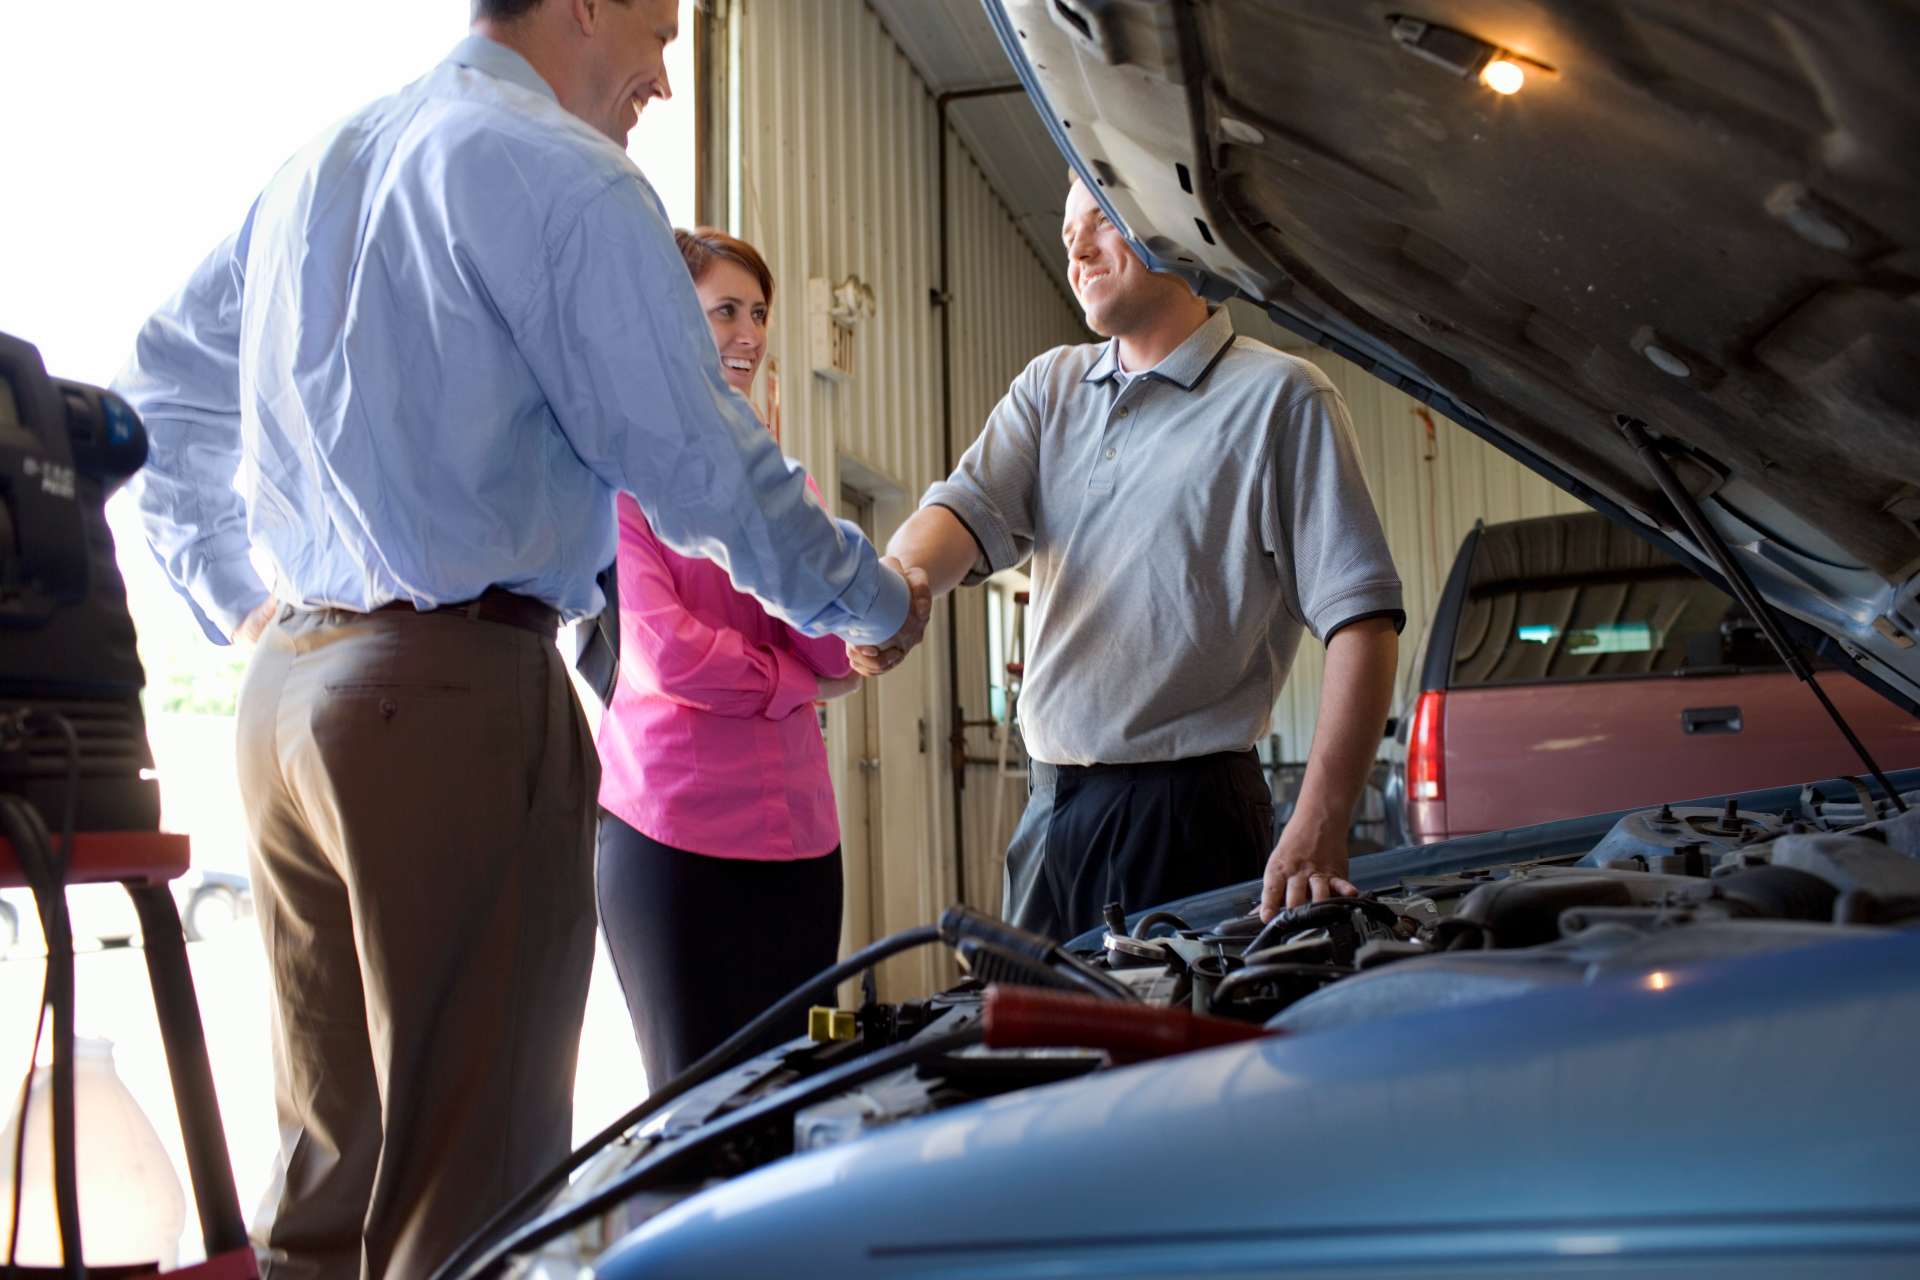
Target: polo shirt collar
x=1185, y=364
x=495, y=59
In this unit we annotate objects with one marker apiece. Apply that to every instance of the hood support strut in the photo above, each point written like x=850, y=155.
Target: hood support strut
x=1711, y=542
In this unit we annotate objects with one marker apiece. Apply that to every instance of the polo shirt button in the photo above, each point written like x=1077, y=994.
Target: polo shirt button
x=1110, y=453
x=1124, y=411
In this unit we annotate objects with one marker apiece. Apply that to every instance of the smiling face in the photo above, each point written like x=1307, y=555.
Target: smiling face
x=736, y=308
x=1116, y=291
x=626, y=63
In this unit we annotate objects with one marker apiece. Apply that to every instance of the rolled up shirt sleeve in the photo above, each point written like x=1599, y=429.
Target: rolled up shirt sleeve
x=994, y=488
x=614, y=332
x=1320, y=523
x=184, y=382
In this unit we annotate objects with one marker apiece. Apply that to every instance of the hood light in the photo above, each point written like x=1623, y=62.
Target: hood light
x=1466, y=55
x=1503, y=76
x=1659, y=980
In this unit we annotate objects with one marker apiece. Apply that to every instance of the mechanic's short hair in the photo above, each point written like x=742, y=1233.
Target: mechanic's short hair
x=703, y=246
x=508, y=10
x=503, y=10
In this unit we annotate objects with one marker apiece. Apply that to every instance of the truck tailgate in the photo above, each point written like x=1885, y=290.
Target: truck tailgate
x=1522, y=754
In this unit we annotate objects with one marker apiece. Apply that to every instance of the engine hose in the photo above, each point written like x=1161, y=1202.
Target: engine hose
x=1314, y=914
x=1152, y=918
x=1454, y=934
x=725, y=1056
x=668, y=1161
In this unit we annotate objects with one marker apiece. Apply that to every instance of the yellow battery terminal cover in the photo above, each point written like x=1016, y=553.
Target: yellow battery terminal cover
x=824, y=1024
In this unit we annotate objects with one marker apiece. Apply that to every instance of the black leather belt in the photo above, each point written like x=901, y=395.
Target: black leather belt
x=495, y=604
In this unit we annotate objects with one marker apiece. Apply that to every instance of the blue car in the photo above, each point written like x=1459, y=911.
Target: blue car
x=1668, y=256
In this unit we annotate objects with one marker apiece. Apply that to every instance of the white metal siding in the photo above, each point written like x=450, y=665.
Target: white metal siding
x=838, y=176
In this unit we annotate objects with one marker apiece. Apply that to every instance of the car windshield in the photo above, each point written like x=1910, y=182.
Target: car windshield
x=1575, y=598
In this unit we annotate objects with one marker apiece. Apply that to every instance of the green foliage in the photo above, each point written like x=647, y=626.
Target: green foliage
x=196, y=684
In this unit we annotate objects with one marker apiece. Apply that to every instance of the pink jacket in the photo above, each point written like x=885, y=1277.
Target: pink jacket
x=711, y=743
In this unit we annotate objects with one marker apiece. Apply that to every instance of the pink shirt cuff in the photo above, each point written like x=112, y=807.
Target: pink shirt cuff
x=794, y=686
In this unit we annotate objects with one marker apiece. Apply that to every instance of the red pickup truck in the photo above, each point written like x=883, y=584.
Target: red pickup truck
x=1571, y=669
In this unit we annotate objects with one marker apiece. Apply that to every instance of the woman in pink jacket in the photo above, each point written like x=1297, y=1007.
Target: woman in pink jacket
x=718, y=876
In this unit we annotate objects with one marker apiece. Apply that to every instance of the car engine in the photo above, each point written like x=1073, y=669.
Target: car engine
x=1665, y=888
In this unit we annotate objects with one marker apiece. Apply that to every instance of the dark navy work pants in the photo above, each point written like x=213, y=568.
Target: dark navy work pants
x=1137, y=834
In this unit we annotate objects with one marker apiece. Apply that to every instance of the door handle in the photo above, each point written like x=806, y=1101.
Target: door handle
x=1711, y=720
x=869, y=766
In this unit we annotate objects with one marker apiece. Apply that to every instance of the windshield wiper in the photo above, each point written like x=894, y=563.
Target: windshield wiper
x=1743, y=589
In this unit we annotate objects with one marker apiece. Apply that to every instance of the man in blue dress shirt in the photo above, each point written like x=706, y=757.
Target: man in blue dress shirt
x=389, y=416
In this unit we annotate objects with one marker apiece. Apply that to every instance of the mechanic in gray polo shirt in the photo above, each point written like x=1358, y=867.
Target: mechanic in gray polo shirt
x=1191, y=502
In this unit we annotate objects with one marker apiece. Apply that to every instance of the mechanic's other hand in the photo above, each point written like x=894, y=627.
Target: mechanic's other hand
x=832, y=687
x=873, y=660
x=247, y=634
x=1308, y=865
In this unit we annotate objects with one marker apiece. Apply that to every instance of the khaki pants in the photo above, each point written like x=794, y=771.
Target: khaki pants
x=419, y=791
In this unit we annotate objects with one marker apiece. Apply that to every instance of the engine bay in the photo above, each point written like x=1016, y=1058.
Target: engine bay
x=1665, y=889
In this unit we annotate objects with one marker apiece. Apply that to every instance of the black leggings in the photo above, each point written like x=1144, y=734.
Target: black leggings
x=704, y=945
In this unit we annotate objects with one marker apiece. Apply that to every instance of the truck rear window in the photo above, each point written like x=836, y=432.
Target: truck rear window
x=1575, y=598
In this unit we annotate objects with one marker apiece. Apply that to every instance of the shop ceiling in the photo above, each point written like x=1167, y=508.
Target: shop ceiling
x=953, y=48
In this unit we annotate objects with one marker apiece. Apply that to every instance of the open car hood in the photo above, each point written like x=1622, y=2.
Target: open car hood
x=1704, y=217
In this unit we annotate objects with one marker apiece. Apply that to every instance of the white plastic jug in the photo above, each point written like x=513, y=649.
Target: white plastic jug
x=132, y=1209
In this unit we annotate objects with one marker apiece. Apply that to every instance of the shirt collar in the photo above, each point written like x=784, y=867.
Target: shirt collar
x=495, y=59
x=1182, y=366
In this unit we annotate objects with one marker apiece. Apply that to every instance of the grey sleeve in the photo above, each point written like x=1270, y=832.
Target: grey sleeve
x=995, y=487
x=1320, y=523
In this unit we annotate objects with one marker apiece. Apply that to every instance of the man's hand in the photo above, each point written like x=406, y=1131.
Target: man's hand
x=873, y=660
x=832, y=687
x=1308, y=865
x=247, y=634
x=1310, y=862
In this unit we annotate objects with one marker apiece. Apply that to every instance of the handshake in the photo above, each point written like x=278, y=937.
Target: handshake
x=873, y=660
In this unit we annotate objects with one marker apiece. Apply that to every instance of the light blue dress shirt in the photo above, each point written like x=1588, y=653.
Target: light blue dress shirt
x=450, y=329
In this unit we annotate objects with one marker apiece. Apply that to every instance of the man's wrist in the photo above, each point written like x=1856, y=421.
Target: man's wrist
x=1316, y=818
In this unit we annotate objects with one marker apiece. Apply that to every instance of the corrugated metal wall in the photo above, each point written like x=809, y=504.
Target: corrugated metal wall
x=1004, y=332
x=838, y=175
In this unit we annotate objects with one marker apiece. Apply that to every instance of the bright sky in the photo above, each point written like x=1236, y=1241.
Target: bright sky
x=134, y=135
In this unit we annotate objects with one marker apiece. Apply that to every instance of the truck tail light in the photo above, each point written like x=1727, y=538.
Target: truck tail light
x=1426, y=749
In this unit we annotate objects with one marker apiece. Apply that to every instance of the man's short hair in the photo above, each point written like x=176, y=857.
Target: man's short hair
x=508, y=10
x=503, y=10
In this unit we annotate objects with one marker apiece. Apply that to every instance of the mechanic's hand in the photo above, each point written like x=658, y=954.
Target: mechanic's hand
x=873, y=660
x=831, y=687
x=1308, y=865
x=247, y=634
